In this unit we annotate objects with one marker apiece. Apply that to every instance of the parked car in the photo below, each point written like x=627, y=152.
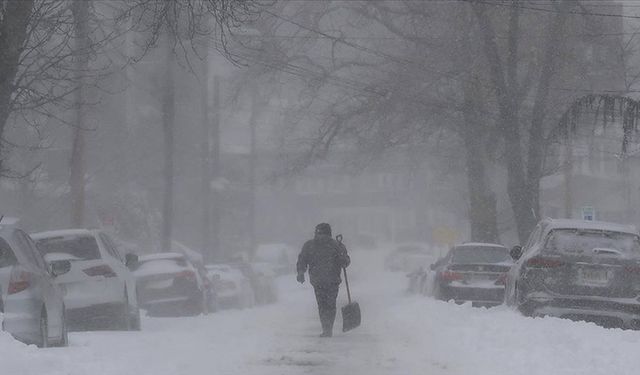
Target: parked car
x=472, y=272
x=233, y=289
x=262, y=278
x=196, y=259
x=581, y=270
x=168, y=284
x=281, y=257
x=7, y=261
x=409, y=257
x=34, y=310
x=100, y=287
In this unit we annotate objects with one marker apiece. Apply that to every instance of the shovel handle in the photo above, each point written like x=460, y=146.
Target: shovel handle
x=346, y=282
x=344, y=269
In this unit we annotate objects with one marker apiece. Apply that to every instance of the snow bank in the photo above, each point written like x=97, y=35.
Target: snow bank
x=400, y=335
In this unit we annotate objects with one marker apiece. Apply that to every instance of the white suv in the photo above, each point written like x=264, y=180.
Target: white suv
x=101, y=290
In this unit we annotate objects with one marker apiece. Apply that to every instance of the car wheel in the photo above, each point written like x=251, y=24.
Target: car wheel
x=44, y=330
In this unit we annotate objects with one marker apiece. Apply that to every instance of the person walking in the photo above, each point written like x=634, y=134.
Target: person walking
x=324, y=258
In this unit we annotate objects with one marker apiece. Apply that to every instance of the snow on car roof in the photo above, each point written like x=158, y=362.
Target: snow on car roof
x=160, y=256
x=480, y=244
x=62, y=233
x=590, y=225
x=191, y=254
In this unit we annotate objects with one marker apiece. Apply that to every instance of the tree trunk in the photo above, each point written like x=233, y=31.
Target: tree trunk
x=206, y=164
x=523, y=185
x=253, y=123
x=80, y=10
x=537, y=144
x=168, y=118
x=483, y=213
x=13, y=34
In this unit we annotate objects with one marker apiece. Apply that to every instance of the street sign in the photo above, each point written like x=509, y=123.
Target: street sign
x=588, y=213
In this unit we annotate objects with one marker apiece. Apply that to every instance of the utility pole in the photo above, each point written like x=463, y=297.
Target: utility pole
x=205, y=152
x=215, y=167
x=80, y=11
x=168, y=118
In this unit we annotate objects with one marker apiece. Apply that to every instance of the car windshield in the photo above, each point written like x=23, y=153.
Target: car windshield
x=574, y=241
x=82, y=247
x=480, y=254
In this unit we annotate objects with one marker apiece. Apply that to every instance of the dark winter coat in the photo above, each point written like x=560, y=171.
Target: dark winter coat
x=325, y=258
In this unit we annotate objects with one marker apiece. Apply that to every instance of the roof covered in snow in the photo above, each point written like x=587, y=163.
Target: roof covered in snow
x=479, y=244
x=159, y=256
x=62, y=233
x=590, y=225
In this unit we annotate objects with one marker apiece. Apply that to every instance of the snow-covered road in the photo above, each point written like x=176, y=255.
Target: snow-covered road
x=400, y=335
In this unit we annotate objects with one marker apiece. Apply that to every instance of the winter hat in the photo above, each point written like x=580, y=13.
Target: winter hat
x=323, y=228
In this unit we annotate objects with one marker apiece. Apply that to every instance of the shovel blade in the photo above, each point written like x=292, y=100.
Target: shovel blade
x=350, y=316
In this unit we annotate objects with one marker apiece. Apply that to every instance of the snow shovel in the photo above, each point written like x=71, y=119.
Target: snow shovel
x=351, y=311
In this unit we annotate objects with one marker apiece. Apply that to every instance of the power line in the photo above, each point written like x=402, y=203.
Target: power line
x=547, y=10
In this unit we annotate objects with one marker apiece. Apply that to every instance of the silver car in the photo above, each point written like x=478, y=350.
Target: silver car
x=580, y=270
x=34, y=310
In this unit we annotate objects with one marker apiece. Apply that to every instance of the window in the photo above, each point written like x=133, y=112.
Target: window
x=83, y=247
x=29, y=248
x=7, y=257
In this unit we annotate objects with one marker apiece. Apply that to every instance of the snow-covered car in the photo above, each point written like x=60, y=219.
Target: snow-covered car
x=233, y=289
x=196, y=259
x=581, y=270
x=168, y=284
x=281, y=257
x=409, y=257
x=100, y=287
x=263, y=280
x=472, y=272
x=34, y=310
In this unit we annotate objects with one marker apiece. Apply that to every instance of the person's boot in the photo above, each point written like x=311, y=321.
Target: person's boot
x=327, y=330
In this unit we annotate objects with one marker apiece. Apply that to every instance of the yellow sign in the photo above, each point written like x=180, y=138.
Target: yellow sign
x=445, y=236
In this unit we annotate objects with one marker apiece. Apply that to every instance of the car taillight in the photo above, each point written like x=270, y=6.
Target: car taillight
x=502, y=279
x=103, y=270
x=19, y=281
x=186, y=274
x=451, y=276
x=540, y=262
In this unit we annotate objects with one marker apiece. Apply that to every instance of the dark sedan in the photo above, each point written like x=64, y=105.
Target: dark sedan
x=472, y=272
x=580, y=270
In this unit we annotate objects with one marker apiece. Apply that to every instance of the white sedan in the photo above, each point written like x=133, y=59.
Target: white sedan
x=233, y=289
x=101, y=290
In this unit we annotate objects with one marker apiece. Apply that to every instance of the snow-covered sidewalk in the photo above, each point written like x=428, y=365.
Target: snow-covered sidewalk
x=400, y=335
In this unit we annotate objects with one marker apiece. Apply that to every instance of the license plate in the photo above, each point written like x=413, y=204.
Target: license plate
x=484, y=277
x=594, y=277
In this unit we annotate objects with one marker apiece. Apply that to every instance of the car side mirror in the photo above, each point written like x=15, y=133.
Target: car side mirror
x=60, y=267
x=516, y=252
x=131, y=261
